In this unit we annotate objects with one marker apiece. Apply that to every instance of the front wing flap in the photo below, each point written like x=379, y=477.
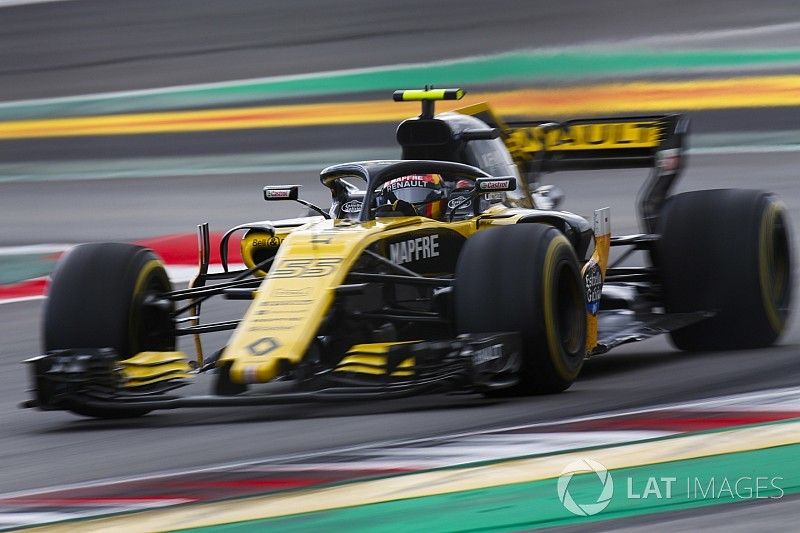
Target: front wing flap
x=469, y=363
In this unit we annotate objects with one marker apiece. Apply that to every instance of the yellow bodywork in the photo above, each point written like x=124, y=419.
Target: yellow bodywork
x=311, y=263
x=371, y=359
x=146, y=368
x=257, y=240
x=295, y=296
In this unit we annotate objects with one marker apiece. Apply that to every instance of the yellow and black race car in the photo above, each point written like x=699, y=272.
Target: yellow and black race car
x=448, y=270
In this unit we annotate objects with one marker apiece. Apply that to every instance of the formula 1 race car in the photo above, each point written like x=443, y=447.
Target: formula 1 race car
x=447, y=271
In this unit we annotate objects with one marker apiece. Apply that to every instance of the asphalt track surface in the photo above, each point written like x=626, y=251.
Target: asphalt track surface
x=39, y=449
x=93, y=46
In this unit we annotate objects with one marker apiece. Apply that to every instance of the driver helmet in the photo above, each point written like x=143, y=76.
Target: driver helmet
x=424, y=191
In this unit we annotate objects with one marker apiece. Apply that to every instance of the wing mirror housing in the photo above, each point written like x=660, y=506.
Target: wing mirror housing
x=273, y=193
x=495, y=184
x=281, y=192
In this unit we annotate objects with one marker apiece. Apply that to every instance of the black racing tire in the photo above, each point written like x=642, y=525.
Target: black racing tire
x=96, y=301
x=726, y=251
x=526, y=278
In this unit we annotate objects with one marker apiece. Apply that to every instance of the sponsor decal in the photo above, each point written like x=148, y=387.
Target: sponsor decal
x=281, y=292
x=272, y=320
x=494, y=185
x=488, y=354
x=353, y=206
x=272, y=194
x=284, y=303
x=524, y=142
x=456, y=202
x=593, y=281
x=271, y=242
x=408, y=181
x=414, y=249
x=263, y=346
x=305, y=268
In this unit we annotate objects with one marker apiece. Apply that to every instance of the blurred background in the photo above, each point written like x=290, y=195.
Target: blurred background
x=210, y=100
x=136, y=120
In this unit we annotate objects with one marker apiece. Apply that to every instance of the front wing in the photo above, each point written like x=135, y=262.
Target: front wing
x=95, y=378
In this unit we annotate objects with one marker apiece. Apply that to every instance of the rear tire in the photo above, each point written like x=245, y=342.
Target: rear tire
x=526, y=278
x=726, y=251
x=96, y=300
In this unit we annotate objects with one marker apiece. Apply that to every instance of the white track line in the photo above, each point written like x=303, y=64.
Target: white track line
x=12, y=3
x=713, y=35
x=23, y=519
x=33, y=249
x=20, y=299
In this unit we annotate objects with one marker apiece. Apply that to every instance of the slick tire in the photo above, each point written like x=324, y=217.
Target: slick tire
x=96, y=300
x=726, y=251
x=525, y=278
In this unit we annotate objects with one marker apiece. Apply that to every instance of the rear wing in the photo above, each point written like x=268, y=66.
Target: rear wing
x=625, y=142
x=590, y=143
x=657, y=142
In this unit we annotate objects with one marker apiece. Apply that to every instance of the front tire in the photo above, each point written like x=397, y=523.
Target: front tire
x=525, y=278
x=726, y=251
x=98, y=299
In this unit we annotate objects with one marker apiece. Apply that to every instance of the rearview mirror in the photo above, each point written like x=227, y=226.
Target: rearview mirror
x=274, y=193
x=499, y=184
x=281, y=192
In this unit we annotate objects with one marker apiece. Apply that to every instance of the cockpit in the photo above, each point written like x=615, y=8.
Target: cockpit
x=438, y=190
